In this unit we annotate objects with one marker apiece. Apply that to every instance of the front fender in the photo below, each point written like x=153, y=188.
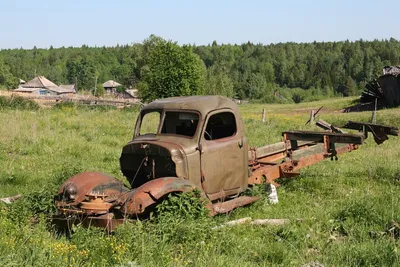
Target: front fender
x=88, y=182
x=136, y=201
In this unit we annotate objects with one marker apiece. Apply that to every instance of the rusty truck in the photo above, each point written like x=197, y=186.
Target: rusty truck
x=197, y=142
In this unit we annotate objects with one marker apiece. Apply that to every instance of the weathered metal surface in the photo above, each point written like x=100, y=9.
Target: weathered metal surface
x=73, y=191
x=214, y=159
x=226, y=206
x=268, y=173
x=136, y=201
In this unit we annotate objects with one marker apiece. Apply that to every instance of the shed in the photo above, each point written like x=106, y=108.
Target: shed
x=111, y=87
x=130, y=94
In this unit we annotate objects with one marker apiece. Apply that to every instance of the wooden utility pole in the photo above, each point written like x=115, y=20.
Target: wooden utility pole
x=95, y=86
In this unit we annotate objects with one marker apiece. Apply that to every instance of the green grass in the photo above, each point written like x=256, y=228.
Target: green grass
x=341, y=211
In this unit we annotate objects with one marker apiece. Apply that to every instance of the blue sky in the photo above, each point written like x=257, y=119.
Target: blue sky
x=25, y=23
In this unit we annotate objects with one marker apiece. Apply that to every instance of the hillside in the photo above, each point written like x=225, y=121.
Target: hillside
x=250, y=71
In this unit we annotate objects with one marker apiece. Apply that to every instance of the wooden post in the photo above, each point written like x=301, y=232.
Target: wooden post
x=263, y=115
x=373, y=119
x=312, y=114
x=95, y=86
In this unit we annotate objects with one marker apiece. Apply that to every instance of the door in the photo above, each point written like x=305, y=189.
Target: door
x=223, y=159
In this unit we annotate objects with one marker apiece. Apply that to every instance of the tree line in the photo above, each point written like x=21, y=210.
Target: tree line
x=280, y=72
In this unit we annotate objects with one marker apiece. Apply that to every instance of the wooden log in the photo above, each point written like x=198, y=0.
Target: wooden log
x=9, y=200
x=270, y=222
x=250, y=221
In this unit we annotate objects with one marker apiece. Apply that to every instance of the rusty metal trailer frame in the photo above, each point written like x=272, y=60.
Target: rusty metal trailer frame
x=315, y=146
x=300, y=149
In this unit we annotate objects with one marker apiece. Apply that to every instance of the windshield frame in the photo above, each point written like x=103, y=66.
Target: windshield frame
x=162, y=119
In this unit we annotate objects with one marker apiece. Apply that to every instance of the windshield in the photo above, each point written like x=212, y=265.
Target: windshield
x=150, y=123
x=175, y=122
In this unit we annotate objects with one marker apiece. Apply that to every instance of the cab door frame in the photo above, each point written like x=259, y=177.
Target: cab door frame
x=223, y=161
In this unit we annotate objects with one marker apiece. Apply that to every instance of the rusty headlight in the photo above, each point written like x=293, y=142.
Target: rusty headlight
x=70, y=191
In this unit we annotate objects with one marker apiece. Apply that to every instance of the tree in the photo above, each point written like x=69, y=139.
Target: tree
x=218, y=82
x=99, y=90
x=171, y=70
x=351, y=87
x=6, y=78
x=83, y=70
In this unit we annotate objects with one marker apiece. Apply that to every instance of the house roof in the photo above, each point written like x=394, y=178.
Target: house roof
x=133, y=93
x=111, y=83
x=42, y=82
x=39, y=82
x=68, y=88
x=22, y=89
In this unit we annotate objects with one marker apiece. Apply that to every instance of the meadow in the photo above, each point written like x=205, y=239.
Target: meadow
x=343, y=213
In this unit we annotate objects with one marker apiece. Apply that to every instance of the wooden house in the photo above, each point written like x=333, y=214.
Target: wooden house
x=41, y=86
x=111, y=87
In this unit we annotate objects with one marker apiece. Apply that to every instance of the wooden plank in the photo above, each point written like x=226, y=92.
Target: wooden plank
x=371, y=126
x=317, y=149
x=328, y=127
x=319, y=137
x=276, y=148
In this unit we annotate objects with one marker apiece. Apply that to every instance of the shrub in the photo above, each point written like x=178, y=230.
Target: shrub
x=17, y=102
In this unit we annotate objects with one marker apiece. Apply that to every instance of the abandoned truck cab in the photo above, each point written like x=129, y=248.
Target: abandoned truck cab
x=197, y=138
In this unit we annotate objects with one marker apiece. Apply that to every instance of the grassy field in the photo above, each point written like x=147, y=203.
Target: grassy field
x=348, y=208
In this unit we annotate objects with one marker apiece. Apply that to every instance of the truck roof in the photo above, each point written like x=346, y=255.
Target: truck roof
x=202, y=104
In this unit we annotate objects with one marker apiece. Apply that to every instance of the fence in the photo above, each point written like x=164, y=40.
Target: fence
x=79, y=99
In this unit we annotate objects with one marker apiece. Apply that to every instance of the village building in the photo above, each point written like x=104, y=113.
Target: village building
x=130, y=94
x=111, y=87
x=71, y=88
x=41, y=86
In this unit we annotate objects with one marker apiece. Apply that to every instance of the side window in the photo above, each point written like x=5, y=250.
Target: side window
x=220, y=125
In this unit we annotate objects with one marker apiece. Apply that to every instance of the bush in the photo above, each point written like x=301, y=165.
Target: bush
x=183, y=217
x=76, y=106
x=17, y=102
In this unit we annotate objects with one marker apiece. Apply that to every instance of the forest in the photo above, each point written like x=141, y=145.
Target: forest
x=282, y=72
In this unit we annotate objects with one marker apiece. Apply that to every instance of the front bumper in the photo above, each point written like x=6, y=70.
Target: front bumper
x=65, y=222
